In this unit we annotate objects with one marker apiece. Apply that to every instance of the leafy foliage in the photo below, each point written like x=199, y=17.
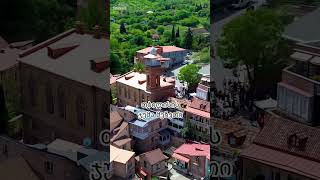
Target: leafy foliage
x=255, y=40
x=143, y=18
x=189, y=74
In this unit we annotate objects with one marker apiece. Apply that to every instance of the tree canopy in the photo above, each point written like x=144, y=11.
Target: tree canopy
x=255, y=40
x=190, y=75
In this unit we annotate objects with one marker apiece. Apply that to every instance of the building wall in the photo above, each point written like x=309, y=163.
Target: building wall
x=176, y=57
x=160, y=168
x=63, y=169
x=200, y=124
x=128, y=95
x=42, y=126
x=295, y=104
x=125, y=171
x=251, y=169
x=152, y=170
x=9, y=79
x=298, y=81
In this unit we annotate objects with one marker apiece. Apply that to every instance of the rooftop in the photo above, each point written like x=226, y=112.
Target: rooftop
x=194, y=149
x=235, y=126
x=120, y=155
x=166, y=49
x=199, y=107
x=140, y=122
x=138, y=81
x=85, y=48
x=275, y=135
x=305, y=28
x=154, y=156
x=8, y=58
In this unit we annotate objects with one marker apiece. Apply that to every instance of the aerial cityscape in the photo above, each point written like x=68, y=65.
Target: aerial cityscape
x=162, y=89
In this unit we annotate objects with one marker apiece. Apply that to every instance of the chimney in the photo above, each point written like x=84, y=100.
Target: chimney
x=96, y=32
x=98, y=65
x=55, y=51
x=79, y=27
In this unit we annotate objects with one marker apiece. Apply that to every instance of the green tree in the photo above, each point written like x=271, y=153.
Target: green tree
x=190, y=75
x=255, y=40
x=123, y=29
x=173, y=34
x=188, y=39
x=3, y=112
x=138, y=67
x=95, y=14
x=160, y=30
x=178, y=33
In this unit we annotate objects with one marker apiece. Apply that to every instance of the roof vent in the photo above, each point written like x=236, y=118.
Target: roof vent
x=99, y=65
x=55, y=51
x=128, y=77
x=141, y=81
x=2, y=51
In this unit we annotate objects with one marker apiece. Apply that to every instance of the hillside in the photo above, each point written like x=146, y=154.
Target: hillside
x=136, y=24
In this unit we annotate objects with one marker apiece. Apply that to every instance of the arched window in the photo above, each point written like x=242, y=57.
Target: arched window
x=32, y=91
x=50, y=98
x=81, y=111
x=61, y=102
x=105, y=115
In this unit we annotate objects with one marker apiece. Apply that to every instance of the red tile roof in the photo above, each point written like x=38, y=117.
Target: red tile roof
x=283, y=161
x=166, y=49
x=277, y=130
x=200, y=104
x=154, y=156
x=271, y=147
x=181, y=158
x=199, y=107
x=194, y=149
x=197, y=112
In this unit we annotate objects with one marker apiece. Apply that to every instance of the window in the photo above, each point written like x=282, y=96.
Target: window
x=50, y=98
x=105, y=115
x=232, y=140
x=48, y=167
x=145, y=164
x=61, y=102
x=32, y=91
x=160, y=124
x=129, y=94
x=81, y=111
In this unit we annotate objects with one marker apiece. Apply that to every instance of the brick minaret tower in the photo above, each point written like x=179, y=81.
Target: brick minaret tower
x=153, y=71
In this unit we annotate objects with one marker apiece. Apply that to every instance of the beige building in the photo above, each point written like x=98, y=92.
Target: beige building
x=151, y=163
x=198, y=112
x=64, y=88
x=123, y=163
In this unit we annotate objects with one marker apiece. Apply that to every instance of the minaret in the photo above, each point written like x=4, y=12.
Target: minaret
x=153, y=70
